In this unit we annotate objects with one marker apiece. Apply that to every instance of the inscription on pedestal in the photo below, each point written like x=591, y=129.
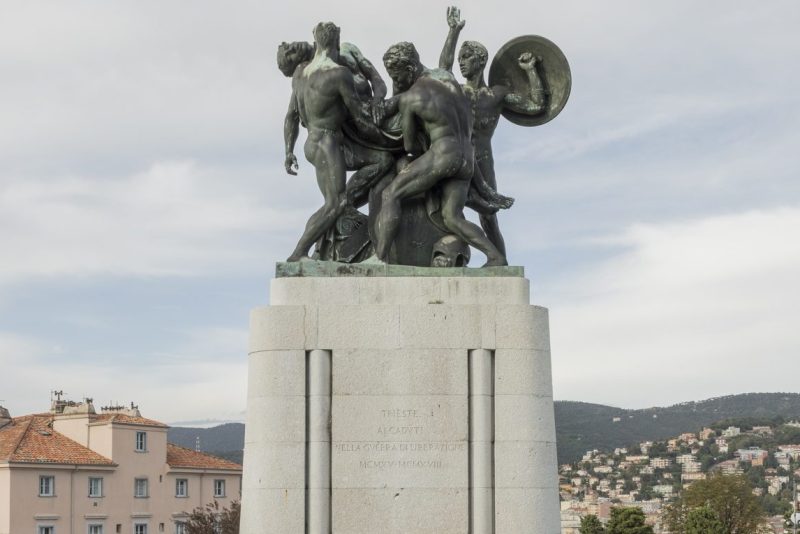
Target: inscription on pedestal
x=400, y=443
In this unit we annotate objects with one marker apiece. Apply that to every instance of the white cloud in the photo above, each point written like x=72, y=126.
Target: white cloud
x=173, y=218
x=689, y=310
x=205, y=378
x=145, y=139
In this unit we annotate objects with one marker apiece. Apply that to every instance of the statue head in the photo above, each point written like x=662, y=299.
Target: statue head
x=403, y=65
x=472, y=58
x=290, y=55
x=326, y=35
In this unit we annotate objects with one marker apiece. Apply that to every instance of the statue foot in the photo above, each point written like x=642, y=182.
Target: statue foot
x=298, y=257
x=499, y=261
x=373, y=260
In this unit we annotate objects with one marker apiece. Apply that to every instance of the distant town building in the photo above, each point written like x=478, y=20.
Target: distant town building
x=665, y=490
x=729, y=467
x=660, y=463
x=691, y=477
x=707, y=433
x=753, y=454
x=691, y=467
x=74, y=470
x=731, y=432
x=792, y=450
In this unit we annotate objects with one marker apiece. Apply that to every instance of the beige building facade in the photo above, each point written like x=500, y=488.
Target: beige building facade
x=75, y=471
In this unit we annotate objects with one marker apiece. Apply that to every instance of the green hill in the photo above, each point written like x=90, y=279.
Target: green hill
x=580, y=426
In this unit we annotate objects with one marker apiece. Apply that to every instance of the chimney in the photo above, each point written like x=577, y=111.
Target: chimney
x=72, y=419
x=133, y=411
x=5, y=417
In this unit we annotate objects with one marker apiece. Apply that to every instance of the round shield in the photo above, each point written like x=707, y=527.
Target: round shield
x=553, y=70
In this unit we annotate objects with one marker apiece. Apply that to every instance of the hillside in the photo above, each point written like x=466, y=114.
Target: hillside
x=226, y=441
x=580, y=426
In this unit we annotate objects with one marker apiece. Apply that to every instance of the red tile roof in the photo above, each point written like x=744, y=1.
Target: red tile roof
x=31, y=439
x=182, y=457
x=125, y=419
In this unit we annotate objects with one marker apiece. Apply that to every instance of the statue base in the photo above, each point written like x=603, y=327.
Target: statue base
x=399, y=399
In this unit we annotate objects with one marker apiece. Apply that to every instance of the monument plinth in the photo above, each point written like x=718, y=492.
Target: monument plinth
x=395, y=399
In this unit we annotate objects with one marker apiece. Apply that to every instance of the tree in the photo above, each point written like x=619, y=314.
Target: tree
x=211, y=519
x=627, y=520
x=591, y=525
x=731, y=499
x=703, y=520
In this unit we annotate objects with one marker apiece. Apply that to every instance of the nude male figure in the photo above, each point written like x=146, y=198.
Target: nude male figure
x=371, y=164
x=433, y=100
x=323, y=97
x=488, y=104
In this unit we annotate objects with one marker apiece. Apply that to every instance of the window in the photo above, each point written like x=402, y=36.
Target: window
x=141, y=442
x=95, y=529
x=47, y=487
x=180, y=528
x=140, y=528
x=47, y=530
x=181, y=487
x=95, y=490
x=140, y=488
x=219, y=488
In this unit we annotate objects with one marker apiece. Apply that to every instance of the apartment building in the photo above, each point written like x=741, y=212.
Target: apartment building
x=75, y=471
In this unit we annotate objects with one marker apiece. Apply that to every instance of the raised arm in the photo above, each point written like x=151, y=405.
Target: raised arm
x=448, y=55
x=291, y=129
x=535, y=101
x=369, y=71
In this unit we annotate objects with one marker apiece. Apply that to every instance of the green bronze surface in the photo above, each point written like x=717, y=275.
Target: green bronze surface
x=329, y=269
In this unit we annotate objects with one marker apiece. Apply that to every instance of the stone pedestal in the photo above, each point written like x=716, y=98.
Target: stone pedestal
x=399, y=400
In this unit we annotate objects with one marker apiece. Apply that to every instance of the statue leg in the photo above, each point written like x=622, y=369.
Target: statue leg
x=416, y=177
x=370, y=166
x=489, y=221
x=454, y=196
x=323, y=151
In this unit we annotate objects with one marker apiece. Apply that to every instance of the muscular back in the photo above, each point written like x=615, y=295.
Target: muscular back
x=437, y=100
x=317, y=86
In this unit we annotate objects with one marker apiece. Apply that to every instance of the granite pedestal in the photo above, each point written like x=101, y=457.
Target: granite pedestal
x=399, y=400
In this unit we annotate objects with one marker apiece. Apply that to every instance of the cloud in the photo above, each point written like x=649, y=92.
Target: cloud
x=204, y=378
x=688, y=310
x=173, y=218
x=142, y=148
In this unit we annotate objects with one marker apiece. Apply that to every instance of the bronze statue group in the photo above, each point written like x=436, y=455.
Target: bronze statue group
x=418, y=158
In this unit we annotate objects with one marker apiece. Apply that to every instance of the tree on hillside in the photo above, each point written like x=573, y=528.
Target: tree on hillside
x=591, y=525
x=703, y=520
x=729, y=497
x=211, y=519
x=628, y=520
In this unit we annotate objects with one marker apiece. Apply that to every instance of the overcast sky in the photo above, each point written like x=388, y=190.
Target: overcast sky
x=143, y=201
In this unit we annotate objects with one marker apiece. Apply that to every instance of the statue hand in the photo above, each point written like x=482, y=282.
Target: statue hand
x=528, y=61
x=454, y=18
x=291, y=164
